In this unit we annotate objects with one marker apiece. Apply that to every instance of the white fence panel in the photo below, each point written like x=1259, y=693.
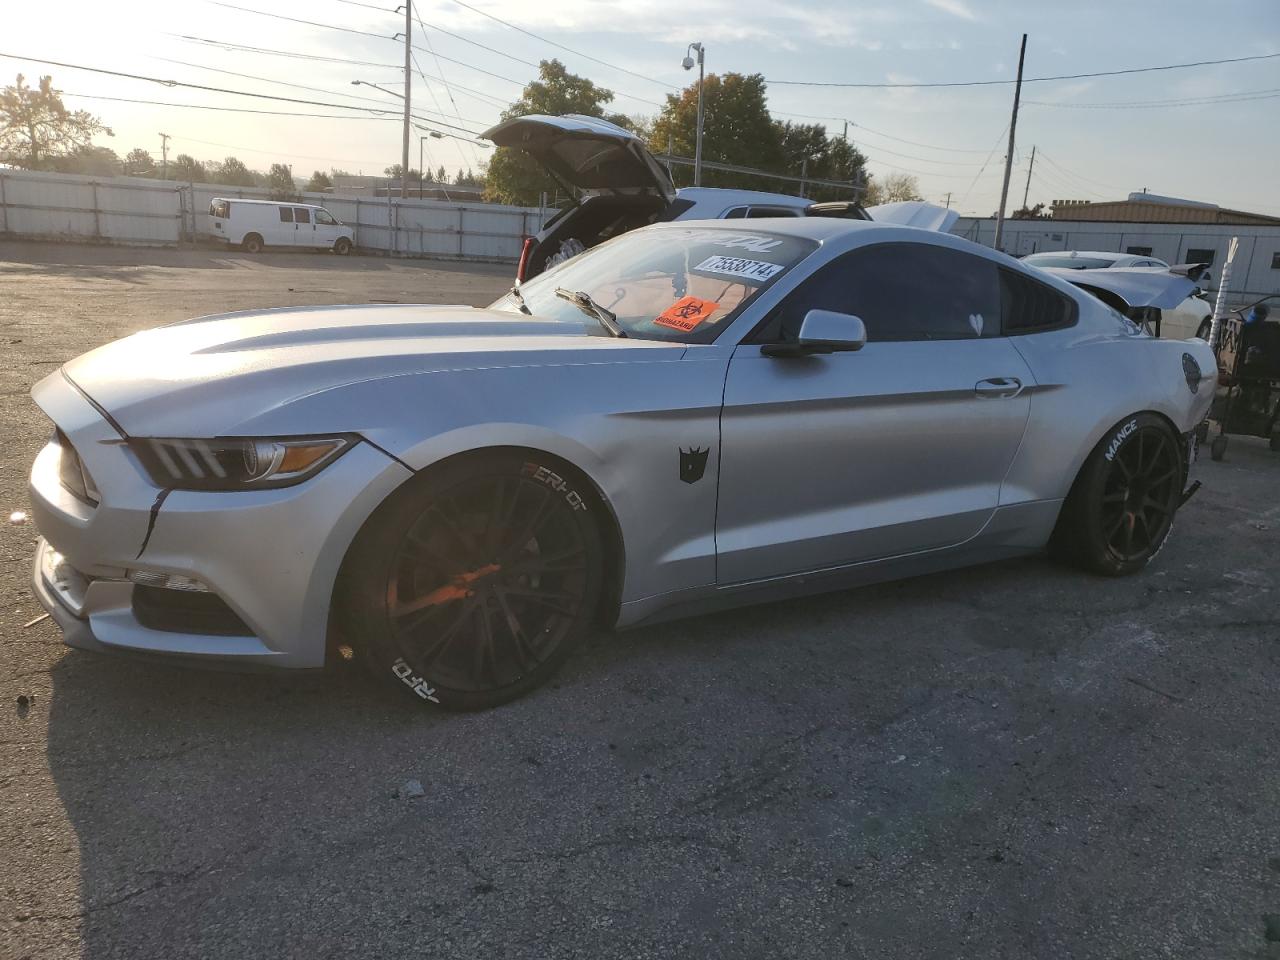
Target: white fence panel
x=134, y=210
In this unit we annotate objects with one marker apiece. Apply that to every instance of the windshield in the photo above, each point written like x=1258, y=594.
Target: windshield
x=672, y=283
x=1070, y=263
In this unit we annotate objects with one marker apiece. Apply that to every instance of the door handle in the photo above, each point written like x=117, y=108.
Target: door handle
x=998, y=388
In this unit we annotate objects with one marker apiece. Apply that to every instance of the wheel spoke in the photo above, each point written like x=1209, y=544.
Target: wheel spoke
x=1130, y=523
x=529, y=530
x=441, y=642
x=556, y=600
x=524, y=651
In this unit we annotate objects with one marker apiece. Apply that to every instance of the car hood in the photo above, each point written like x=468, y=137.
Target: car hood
x=207, y=377
x=1136, y=286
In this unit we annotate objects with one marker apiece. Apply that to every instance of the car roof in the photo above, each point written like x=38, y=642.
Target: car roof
x=268, y=203
x=725, y=195
x=812, y=228
x=1096, y=254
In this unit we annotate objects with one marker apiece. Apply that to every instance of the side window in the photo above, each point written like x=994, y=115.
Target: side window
x=755, y=212
x=286, y=214
x=301, y=215
x=1029, y=306
x=737, y=213
x=901, y=291
x=325, y=217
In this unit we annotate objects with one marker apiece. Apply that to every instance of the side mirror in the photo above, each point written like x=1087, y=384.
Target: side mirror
x=822, y=331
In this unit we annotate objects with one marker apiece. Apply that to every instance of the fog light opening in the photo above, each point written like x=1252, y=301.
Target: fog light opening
x=167, y=581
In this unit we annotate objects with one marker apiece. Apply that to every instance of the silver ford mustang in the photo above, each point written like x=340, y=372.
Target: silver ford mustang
x=689, y=416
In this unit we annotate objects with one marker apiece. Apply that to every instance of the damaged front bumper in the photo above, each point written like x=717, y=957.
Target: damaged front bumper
x=235, y=578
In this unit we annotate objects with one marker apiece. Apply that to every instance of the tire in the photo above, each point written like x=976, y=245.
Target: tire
x=342, y=246
x=252, y=243
x=1218, y=449
x=1205, y=328
x=1121, y=507
x=474, y=583
x=1202, y=431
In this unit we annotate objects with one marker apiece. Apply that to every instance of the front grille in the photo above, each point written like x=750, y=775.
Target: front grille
x=184, y=611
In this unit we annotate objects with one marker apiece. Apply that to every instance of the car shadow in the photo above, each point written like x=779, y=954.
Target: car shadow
x=267, y=815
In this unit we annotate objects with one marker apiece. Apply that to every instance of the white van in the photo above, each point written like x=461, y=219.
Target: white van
x=254, y=224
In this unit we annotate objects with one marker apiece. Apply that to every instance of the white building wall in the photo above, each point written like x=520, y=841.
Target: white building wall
x=1253, y=275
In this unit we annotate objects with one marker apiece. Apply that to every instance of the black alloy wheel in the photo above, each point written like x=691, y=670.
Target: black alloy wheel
x=474, y=587
x=1141, y=494
x=1120, y=510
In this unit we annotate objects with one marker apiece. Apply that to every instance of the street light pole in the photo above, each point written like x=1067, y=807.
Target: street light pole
x=688, y=65
x=408, y=77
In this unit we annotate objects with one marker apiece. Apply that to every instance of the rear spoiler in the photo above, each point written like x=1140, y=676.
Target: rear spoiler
x=844, y=209
x=1192, y=271
x=1134, y=286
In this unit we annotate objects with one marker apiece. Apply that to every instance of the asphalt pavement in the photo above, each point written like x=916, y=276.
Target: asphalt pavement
x=1011, y=761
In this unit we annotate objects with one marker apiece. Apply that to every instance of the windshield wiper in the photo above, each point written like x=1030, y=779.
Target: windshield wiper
x=608, y=319
x=518, y=297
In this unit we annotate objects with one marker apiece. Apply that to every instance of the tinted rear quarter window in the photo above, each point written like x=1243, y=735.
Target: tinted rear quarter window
x=286, y=214
x=1029, y=306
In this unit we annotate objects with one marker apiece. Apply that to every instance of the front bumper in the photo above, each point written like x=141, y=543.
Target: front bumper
x=271, y=555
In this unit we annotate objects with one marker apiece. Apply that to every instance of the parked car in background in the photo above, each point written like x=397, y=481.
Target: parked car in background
x=1192, y=317
x=620, y=186
x=252, y=225
x=691, y=416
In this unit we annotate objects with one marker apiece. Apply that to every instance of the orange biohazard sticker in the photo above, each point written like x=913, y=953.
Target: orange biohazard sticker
x=686, y=313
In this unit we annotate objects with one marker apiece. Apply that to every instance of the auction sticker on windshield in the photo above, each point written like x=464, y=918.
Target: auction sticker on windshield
x=738, y=267
x=686, y=313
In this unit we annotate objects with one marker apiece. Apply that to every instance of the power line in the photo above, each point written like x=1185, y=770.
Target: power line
x=561, y=46
x=282, y=83
x=238, y=93
x=992, y=83
x=202, y=106
x=309, y=23
x=273, y=52
x=449, y=93
x=992, y=152
x=367, y=6
x=1077, y=176
x=271, y=153
x=1153, y=104
x=228, y=45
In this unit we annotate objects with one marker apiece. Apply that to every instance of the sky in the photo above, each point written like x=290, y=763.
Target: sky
x=1095, y=139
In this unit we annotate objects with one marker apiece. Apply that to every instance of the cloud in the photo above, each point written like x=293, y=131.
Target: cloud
x=957, y=8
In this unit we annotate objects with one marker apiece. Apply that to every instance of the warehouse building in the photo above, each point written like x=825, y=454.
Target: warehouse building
x=1172, y=229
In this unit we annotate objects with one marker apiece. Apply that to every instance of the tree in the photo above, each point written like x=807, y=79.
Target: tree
x=139, y=163
x=90, y=161
x=319, y=182
x=1029, y=213
x=280, y=182
x=442, y=175
x=36, y=128
x=808, y=150
x=187, y=167
x=894, y=187
x=468, y=179
x=393, y=172
x=515, y=177
x=234, y=173
x=737, y=129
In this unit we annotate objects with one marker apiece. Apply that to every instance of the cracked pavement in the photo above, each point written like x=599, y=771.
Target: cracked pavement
x=1010, y=761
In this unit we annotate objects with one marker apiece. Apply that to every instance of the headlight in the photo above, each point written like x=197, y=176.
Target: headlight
x=237, y=464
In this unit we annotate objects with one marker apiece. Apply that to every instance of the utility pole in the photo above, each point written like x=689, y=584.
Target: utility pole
x=804, y=172
x=164, y=156
x=408, y=78
x=1031, y=166
x=1008, y=160
x=948, y=199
